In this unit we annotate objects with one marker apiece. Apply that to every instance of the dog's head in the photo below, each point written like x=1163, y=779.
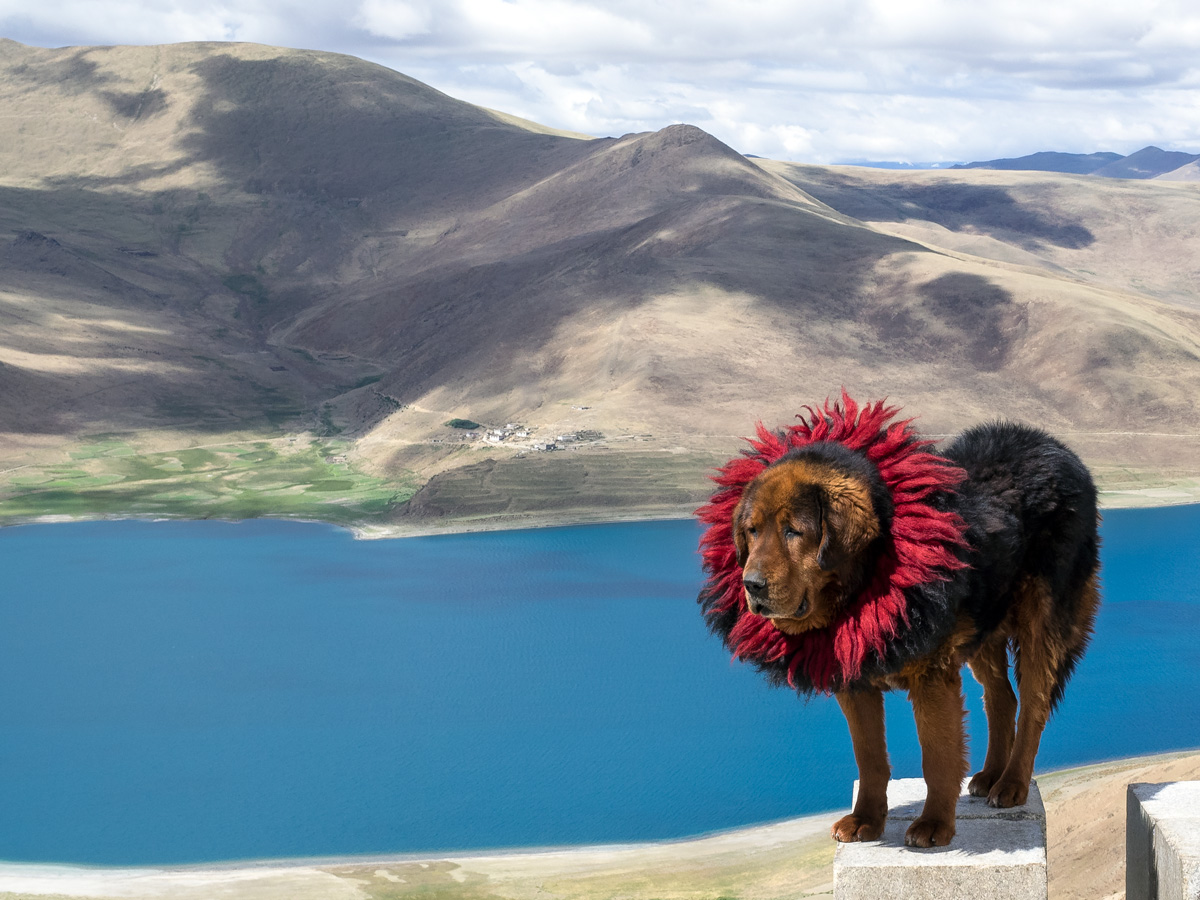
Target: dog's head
x=808, y=532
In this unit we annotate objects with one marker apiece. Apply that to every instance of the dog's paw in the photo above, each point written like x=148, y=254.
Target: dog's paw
x=1007, y=792
x=929, y=833
x=851, y=828
x=981, y=784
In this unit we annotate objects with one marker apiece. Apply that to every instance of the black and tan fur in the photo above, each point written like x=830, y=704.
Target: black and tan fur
x=809, y=531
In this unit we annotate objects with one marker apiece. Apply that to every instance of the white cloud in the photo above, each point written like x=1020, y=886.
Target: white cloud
x=819, y=80
x=392, y=19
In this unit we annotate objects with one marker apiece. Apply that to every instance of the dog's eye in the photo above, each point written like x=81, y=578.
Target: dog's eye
x=791, y=532
x=752, y=531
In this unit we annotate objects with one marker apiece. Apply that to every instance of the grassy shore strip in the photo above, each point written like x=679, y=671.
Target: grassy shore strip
x=1127, y=487
x=296, y=477
x=309, y=477
x=1085, y=824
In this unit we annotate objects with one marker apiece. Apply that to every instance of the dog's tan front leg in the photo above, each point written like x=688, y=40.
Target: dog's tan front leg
x=938, y=708
x=863, y=709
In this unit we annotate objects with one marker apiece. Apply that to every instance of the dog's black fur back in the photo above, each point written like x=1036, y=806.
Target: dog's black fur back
x=1030, y=508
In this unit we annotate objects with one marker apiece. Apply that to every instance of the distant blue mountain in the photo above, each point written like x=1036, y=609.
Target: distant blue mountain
x=1148, y=162
x=1051, y=161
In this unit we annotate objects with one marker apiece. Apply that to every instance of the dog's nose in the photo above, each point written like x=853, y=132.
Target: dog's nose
x=755, y=584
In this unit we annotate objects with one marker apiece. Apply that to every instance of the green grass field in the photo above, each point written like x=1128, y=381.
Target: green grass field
x=309, y=477
x=293, y=478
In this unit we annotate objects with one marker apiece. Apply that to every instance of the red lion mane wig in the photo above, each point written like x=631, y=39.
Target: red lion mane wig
x=920, y=547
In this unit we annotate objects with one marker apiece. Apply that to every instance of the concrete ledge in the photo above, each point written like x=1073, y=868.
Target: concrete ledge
x=996, y=853
x=1162, y=841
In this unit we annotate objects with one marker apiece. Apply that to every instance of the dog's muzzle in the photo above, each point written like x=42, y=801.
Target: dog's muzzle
x=756, y=592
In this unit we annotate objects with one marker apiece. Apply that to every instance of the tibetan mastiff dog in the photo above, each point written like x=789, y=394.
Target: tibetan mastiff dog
x=846, y=556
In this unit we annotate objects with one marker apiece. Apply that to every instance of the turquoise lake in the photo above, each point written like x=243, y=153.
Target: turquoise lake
x=178, y=692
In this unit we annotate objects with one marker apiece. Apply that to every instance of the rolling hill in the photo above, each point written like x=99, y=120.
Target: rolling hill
x=215, y=245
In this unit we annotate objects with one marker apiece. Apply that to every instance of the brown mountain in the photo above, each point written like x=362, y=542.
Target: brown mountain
x=207, y=239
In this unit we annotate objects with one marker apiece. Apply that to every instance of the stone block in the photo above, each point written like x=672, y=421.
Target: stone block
x=997, y=854
x=1162, y=841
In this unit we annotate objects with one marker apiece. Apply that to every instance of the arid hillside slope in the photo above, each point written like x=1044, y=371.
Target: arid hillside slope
x=202, y=241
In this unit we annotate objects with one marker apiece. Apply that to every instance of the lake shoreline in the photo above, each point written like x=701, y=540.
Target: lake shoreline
x=1149, y=498
x=798, y=849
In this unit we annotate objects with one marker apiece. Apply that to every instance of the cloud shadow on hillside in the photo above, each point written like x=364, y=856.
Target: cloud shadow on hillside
x=297, y=126
x=958, y=317
x=956, y=206
x=76, y=74
x=136, y=104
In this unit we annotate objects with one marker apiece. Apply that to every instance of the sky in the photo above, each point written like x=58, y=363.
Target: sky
x=822, y=82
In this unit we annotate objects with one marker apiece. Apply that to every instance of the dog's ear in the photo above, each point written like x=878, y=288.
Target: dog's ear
x=739, y=528
x=848, y=524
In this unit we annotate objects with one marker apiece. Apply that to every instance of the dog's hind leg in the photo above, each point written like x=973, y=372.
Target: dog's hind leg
x=990, y=668
x=938, y=709
x=1040, y=653
x=863, y=709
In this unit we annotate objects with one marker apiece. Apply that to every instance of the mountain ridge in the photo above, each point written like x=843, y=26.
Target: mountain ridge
x=252, y=241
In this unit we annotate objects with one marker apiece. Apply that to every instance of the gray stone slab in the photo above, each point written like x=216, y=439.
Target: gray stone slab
x=1162, y=841
x=906, y=799
x=1141, y=882
x=997, y=854
x=1004, y=860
